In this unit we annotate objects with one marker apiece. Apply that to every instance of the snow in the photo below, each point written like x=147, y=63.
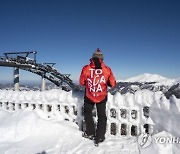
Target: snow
x=25, y=132
x=146, y=77
x=36, y=131
x=164, y=148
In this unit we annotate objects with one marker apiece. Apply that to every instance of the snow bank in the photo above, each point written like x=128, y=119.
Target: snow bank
x=26, y=127
x=25, y=132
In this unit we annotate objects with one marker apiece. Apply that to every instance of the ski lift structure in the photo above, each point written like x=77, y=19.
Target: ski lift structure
x=27, y=61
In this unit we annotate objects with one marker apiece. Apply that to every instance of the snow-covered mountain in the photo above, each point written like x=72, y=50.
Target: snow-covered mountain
x=152, y=82
x=146, y=77
x=28, y=87
x=177, y=81
x=174, y=90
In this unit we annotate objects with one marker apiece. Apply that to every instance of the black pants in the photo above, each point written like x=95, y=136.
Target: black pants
x=99, y=133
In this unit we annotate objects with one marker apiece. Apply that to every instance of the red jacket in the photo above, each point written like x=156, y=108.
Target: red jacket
x=96, y=81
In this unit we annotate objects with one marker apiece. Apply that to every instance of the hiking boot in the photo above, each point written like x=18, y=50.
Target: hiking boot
x=91, y=137
x=97, y=141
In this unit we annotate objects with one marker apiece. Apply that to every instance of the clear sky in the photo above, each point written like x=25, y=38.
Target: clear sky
x=135, y=36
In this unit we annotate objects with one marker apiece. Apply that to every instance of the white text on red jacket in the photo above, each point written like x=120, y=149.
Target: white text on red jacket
x=95, y=80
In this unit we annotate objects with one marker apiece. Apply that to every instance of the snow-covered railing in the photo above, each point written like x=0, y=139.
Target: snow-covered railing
x=121, y=121
x=68, y=112
x=124, y=121
x=128, y=121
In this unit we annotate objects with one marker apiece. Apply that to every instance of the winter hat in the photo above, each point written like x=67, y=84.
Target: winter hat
x=98, y=54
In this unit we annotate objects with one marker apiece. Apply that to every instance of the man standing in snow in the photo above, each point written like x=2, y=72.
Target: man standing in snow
x=96, y=77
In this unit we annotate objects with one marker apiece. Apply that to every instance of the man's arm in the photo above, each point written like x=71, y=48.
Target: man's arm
x=111, y=80
x=82, y=80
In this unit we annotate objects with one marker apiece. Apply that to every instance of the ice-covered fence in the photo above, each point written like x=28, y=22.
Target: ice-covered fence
x=126, y=121
x=126, y=114
x=120, y=120
x=65, y=111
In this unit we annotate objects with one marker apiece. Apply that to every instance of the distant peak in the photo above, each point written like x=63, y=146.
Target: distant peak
x=147, y=77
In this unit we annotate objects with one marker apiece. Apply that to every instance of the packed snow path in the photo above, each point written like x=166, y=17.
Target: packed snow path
x=25, y=132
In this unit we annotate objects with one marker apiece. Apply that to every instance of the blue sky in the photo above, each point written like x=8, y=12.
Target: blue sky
x=135, y=36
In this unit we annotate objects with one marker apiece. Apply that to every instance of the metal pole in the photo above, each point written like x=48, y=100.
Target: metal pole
x=16, y=79
x=43, y=84
x=35, y=56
